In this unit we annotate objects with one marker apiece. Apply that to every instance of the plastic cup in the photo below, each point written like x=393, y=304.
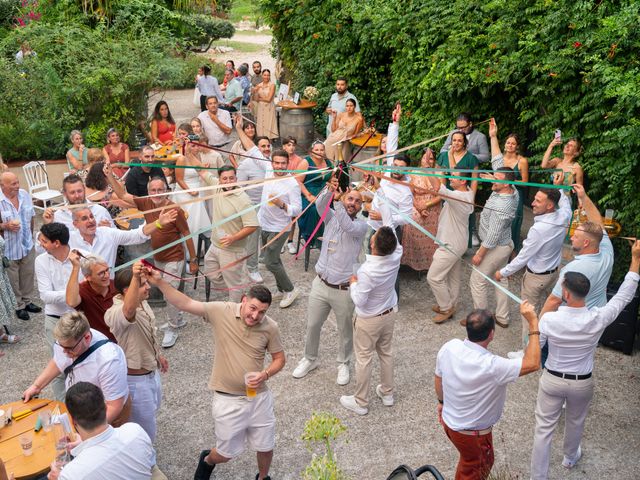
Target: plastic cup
x=26, y=442
x=3, y=418
x=251, y=392
x=608, y=216
x=45, y=419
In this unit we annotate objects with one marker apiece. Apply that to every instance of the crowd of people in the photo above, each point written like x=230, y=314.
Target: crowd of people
x=106, y=360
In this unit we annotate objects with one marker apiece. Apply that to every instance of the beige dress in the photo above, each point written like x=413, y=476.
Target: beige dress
x=345, y=130
x=265, y=112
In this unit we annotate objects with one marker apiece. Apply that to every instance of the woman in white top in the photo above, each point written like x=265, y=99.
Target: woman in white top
x=208, y=86
x=237, y=151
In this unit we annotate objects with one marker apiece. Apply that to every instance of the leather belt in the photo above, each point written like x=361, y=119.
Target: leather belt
x=138, y=372
x=570, y=376
x=344, y=286
x=475, y=433
x=228, y=394
x=548, y=272
x=388, y=310
x=52, y=316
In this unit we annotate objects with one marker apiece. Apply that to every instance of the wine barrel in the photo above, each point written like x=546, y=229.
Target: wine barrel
x=297, y=123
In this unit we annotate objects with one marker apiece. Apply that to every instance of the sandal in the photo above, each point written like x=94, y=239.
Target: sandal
x=5, y=338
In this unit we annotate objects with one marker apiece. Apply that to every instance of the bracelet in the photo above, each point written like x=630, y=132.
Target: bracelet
x=441, y=402
x=158, y=225
x=535, y=332
x=267, y=373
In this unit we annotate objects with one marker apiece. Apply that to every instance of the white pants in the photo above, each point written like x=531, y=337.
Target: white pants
x=174, y=268
x=494, y=260
x=146, y=395
x=444, y=278
x=552, y=393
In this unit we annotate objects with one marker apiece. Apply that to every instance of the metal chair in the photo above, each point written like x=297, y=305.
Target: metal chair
x=204, y=243
x=38, y=181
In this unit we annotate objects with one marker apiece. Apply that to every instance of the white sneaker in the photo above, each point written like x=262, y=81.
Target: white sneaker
x=169, y=339
x=292, y=248
x=387, y=400
x=349, y=402
x=276, y=295
x=284, y=247
x=256, y=277
x=179, y=323
x=304, y=367
x=343, y=374
x=566, y=463
x=516, y=354
x=475, y=241
x=289, y=297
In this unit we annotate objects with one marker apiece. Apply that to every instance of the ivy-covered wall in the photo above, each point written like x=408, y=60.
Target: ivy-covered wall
x=533, y=65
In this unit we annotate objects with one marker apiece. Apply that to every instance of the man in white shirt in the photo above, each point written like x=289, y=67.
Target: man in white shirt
x=105, y=452
x=471, y=388
x=453, y=230
x=105, y=365
x=375, y=302
x=572, y=334
x=74, y=193
x=338, y=101
x=341, y=245
x=281, y=202
x=104, y=241
x=53, y=269
x=216, y=123
x=541, y=251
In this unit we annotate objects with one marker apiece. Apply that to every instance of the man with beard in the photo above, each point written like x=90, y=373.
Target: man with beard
x=171, y=225
x=256, y=78
x=228, y=241
x=338, y=101
x=342, y=241
x=216, y=123
x=138, y=177
x=73, y=191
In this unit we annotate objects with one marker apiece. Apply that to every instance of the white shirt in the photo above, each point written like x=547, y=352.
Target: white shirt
x=123, y=453
x=66, y=216
x=542, y=249
x=400, y=196
x=453, y=224
x=52, y=276
x=271, y=217
x=474, y=384
x=106, y=241
x=212, y=130
x=573, y=333
x=253, y=169
x=374, y=291
x=106, y=368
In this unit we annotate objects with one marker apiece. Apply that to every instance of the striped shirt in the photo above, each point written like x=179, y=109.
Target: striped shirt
x=496, y=219
x=17, y=244
x=341, y=244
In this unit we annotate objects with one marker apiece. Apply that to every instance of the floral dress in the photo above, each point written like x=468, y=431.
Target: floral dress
x=7, y=298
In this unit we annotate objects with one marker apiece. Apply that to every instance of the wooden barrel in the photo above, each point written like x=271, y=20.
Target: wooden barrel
x=297, y=123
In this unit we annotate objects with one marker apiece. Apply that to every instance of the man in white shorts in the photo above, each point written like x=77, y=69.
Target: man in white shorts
x=243, y=413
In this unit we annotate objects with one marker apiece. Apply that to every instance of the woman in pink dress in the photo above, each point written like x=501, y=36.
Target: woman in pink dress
x=116, y=151
x=418, y=249
x=163, y=126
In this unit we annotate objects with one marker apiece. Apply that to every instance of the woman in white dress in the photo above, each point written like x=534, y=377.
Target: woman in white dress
x=188, y=179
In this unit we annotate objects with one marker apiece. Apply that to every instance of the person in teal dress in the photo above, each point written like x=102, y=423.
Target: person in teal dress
x=310, y=186
x=458, y=156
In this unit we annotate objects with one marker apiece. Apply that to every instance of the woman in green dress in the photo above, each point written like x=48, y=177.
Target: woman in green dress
x=310, y=186
x=520, y=165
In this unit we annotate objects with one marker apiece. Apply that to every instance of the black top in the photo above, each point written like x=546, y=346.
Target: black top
x=137, y=180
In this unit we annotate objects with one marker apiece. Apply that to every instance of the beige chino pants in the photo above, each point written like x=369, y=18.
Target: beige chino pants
x=494, y=260
x=444, y=278
x=229, y=278
x=535, y=288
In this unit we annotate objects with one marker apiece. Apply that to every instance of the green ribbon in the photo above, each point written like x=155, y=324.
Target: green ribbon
x=173, y=165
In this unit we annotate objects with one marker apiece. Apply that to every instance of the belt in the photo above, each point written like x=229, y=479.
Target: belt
x=570, y=376
x=221, y=145
x=388, y=310
x=548, y=272
x=228, y=394
x=344, y=286
x=475, y=433
x=52, y=316
x=138, y=373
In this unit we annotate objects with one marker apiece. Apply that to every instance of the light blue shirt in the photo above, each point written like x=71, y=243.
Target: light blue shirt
x=17, y=244
x=209, y=87
x=597, y=268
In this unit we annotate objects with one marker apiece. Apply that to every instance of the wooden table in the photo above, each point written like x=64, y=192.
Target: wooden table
x=374, y=141
x=44, y=448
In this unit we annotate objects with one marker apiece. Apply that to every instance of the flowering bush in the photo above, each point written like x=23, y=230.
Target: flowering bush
x=27, y=13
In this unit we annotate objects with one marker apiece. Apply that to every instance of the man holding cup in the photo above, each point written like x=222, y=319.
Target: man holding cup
x=243, y=334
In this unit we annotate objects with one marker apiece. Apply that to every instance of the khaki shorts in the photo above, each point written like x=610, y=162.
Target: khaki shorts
x=239, y=422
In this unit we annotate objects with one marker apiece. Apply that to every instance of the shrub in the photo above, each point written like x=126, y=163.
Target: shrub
x=8, y=10
x=534, y=66
x=189, y=67
x=202, y=30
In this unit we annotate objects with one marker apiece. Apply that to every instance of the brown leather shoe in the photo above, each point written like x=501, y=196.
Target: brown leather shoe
x=436, y=308
x=444, y=315
x=501, y=324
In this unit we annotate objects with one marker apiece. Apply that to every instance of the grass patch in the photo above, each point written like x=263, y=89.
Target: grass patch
x=244, y=10
x=251, y=33
x=240, y=46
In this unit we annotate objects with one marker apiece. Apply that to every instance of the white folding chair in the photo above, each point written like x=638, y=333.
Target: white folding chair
x=38, y=180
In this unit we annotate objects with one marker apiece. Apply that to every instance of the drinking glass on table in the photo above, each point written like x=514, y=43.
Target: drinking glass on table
x=45, y=419
x=26, y=442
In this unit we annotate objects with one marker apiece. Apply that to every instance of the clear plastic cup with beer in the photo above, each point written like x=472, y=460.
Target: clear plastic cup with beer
x=251, y=391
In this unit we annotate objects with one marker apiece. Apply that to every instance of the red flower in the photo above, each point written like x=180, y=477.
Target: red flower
x=577, y=44
x=20, y=21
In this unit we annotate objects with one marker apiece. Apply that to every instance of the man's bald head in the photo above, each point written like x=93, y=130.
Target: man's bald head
x=10, y=184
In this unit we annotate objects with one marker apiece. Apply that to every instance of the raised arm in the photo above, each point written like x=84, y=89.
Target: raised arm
x=247, y=143
x=118, y=188
x=547, y=162
x=132, y=295
x=493, y=136
x=174, y=297
x=73, y=298
x=593, y=214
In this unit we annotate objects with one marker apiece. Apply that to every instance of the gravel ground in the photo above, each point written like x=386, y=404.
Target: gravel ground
x=376, y=443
